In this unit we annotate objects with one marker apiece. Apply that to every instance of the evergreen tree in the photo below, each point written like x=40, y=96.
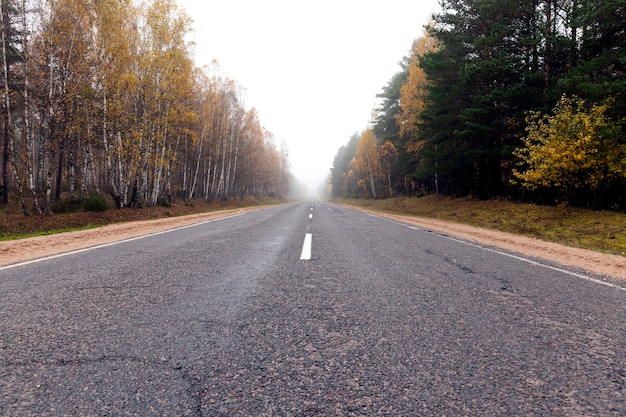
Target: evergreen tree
x=341, y=167
x=481, y=81
x=599, y=50
x=385, y=127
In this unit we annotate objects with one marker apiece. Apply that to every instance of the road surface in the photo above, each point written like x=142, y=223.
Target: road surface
x=308, y=309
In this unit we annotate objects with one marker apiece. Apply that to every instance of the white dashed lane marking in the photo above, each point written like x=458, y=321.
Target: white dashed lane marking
x=308, y=240
x=306, y=247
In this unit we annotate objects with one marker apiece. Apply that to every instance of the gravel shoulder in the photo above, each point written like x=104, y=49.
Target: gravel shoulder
x=16, y=251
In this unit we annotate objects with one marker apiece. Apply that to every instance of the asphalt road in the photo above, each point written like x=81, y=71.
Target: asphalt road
x=226, y=319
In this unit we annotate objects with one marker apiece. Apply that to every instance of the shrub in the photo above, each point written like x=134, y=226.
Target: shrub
x=95, y=202
x=576, y=150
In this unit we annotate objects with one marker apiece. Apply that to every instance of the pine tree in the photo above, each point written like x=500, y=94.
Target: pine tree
x=480, y=82
x=599, y=54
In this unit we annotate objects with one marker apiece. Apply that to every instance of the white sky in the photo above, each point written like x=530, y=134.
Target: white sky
x=311, y=69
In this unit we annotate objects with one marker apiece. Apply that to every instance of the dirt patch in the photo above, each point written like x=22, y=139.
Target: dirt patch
x=594, y=262
x=15, y=251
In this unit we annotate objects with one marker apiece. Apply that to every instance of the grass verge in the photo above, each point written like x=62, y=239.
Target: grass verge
x=600, y=231
x=47, y=232
x=14, y=225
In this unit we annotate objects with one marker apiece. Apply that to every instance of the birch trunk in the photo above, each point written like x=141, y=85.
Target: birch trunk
x=159, y=167
x=30, y=140
x=121, y=168
x=6, y=99
x=192, y=188
x=48, y=191
x=207, y=184
x=215, y=183
x=230, y=162
x=84, y=184
x=72, y=174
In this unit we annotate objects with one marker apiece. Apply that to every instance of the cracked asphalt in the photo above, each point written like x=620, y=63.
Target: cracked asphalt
x=224, y=319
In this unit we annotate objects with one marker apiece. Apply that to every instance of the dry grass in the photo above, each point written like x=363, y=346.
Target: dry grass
x=595, y=230
x=14, y=225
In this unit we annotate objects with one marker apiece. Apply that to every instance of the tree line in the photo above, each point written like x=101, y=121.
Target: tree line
x=506, y=98
x=102, y=96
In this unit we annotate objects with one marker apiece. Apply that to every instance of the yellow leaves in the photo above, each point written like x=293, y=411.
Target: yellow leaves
x=413, y=95
x=415, y=146
x=129, y=83
x=388, y=151
x=574, y=148
x=366, y=156
x=166, y=26
x=370, y=164
x=119, y=74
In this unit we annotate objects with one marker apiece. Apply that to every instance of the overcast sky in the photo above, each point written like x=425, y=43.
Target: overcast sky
x=311, y=69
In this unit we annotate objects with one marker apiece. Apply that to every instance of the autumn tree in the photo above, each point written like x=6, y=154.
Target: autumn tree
x=576, y=151
x=103, y=96
x=387, y=129
x=64, y=92
x=232, y=155
x=117, y=49
x=388, y=154
x=414, y=92
x=413, y=101
x=25, y=117
x=472, y=79
x=11, y=55
x=367, y=165
x=250, y=165
x=165, y=74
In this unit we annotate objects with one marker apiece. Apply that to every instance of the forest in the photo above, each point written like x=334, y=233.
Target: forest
x=102, y=98
x=523, y=100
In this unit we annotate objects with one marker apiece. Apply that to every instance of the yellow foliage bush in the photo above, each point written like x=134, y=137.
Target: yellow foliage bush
x=575, y=148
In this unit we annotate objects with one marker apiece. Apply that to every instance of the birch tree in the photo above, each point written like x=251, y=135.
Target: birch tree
x=10, y=55
x=103, y=96
x=366, y=163
x=116, y=39
x=165, y=73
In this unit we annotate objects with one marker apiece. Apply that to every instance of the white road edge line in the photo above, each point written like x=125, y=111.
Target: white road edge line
x=306, y=247
x=47, y=258
x=510, y=255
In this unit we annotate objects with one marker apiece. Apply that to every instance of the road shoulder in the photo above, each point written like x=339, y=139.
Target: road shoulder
x=594, y=262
